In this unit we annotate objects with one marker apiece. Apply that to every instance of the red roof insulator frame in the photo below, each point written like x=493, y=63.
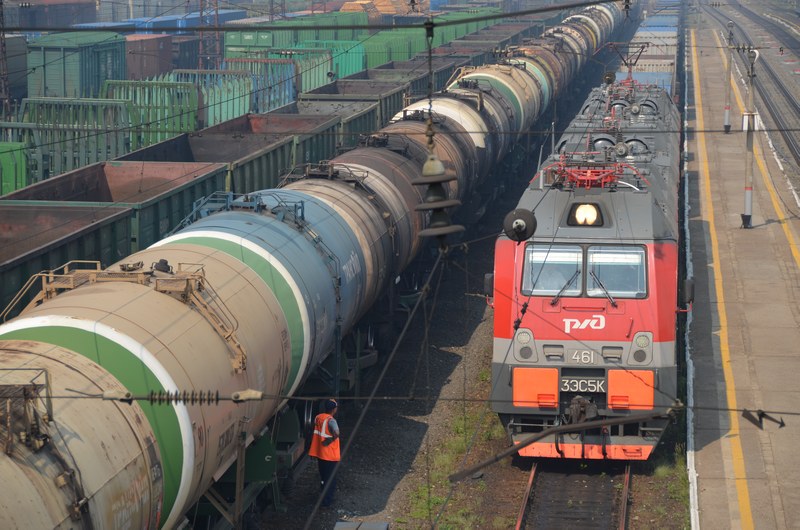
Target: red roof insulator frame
x=587, y=175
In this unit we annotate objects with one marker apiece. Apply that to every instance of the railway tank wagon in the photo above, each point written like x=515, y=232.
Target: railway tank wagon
x=586, y=304
x=221, y=323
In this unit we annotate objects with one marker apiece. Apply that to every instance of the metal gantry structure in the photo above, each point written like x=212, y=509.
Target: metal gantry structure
x=210, y=49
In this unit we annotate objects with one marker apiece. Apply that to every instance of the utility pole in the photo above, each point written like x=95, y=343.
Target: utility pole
x=750, y=115
x=728, y=79
x=5, y=89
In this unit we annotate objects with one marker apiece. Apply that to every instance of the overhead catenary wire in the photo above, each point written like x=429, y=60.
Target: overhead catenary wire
x=548, y=131
x=421, y=26
x=428, y=27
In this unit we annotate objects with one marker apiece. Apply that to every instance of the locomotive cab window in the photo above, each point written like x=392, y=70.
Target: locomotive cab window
x=549, y=269
x=616, y=271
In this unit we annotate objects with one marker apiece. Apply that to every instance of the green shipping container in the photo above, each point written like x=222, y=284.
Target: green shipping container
x=348, y=56
x=13, y=166
x=74, y=64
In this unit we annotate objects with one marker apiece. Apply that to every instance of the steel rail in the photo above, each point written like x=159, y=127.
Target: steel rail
x=772, y=106
x=524, y=507
x=624, y=496
x=566, y=495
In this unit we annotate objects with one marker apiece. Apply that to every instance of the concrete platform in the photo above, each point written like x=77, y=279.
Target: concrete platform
x=745, y=331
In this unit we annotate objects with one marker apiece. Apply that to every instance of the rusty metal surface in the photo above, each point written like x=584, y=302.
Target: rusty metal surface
x=121, y=182
x=113, y=479
x=273, y=124
x=24, y=229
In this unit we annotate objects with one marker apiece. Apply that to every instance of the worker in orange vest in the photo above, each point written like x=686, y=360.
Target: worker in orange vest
x=325, y=447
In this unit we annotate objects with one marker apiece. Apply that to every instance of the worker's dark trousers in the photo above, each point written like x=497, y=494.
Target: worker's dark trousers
x=326, y=468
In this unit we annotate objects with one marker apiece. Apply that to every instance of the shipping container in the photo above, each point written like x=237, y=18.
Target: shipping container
x=106, y=26
x=160, y=24
x=212, y=17
x=17, y=65
x=74, y=64
x=185, y=51
x=159, y=194
x=348, y=56
x=148, y=55
x=389, y=95
x=41, y=238
x=13, y=166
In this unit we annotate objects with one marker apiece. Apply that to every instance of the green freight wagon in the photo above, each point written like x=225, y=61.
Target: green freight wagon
x=13, y=166
x=415, y=71
x=42, y=237
x=164, y=109
x=252, y=162
x=357, y=118
x=74, y=64
x=274, y=81
x=257, y=149
x=348, y=56
x=314, y=138
x=389, y=95
x=159, y=195
x=63, y=134
x=225, y=94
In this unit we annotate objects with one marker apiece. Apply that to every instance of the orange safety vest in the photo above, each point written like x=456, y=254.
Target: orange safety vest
x=321, y=433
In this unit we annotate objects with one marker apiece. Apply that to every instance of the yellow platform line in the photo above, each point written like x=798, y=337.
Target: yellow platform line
x=733, y=438
x=768, y=185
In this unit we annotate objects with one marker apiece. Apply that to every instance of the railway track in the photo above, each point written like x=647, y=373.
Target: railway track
x=784, y=108
x=571, y=495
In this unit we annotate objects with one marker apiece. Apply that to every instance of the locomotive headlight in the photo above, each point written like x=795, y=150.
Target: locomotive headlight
x=523, y=337
x=586, y=214
x=643, y=341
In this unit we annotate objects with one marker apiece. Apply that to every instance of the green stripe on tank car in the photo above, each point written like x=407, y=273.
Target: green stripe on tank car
x=137, y=378
x=276, y=282
x=513, y=97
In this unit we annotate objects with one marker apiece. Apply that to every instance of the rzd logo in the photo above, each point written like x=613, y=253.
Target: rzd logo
x=596, y=322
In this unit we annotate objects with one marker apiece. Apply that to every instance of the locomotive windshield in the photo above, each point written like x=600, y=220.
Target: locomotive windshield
x=558, y=270
x=620, y=270
x=549, y=269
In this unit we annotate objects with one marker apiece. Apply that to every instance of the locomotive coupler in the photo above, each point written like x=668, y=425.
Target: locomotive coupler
x=582, y=409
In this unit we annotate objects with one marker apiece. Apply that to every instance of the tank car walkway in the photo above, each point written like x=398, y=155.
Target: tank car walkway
x=745, y=331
